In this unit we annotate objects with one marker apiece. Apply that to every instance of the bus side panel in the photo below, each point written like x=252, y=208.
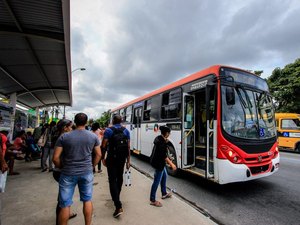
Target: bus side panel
x=147, y=137
x=130, y=128
x=150, y=131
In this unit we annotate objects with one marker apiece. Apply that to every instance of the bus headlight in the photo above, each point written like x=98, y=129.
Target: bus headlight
x=231, y=155
x=276, y=153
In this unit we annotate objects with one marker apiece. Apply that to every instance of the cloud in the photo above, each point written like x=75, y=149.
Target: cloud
x=132, y=47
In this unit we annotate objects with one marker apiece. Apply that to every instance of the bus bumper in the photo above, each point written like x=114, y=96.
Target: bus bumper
x=229, y=172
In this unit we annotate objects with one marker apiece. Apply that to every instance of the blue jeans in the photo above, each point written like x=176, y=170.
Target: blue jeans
x=47, y=153
x=67, y=186
x=160, y=177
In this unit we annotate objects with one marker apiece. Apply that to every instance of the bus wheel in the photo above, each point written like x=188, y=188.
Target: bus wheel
x=172, y=157
x=298, y=148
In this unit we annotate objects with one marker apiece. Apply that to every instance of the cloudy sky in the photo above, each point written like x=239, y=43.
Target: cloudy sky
x=131, y=47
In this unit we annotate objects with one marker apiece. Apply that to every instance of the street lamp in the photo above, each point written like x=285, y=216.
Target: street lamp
x=81, y=69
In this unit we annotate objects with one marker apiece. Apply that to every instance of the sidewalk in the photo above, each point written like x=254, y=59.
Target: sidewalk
x=30, y=199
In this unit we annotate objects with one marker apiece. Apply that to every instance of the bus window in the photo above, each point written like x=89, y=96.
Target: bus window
x=151, y=109
x=171, y=104
x=155, y=108
x=147, y=110
x=189, y=112
x=290, y=124
x=128, y=114
x=123, y=115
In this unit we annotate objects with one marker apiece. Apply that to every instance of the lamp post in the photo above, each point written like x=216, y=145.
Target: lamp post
x=81, y=69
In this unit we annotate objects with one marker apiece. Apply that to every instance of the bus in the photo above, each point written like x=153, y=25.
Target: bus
x=288, y=131
x=222, y=122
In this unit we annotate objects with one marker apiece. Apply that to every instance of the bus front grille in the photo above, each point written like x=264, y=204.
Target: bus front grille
x=259, y=169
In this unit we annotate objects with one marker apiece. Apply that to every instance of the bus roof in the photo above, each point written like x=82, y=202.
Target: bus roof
x=287, y=115
x=210, y=70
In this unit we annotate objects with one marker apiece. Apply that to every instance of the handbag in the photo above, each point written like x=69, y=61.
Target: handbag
x=3, y=177
x=127, y=177
x=42, y=140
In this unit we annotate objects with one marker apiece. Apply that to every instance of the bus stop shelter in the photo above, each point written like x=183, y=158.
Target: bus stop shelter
x=35, y=61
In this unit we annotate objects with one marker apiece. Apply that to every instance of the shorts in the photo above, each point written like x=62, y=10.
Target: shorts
x=67, y=186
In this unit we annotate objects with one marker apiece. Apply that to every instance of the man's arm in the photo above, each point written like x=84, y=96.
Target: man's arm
x=172, y=165
x=56, y=157
x=103, y=150
x=128, y=158
x=97, y=157
x=3, y=164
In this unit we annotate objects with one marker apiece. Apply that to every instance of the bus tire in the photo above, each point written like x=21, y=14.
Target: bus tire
x=298, y=148
x=172, y=157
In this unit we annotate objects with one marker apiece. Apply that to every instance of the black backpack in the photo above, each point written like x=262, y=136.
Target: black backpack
x=54, y=136
x=152, y=156
x=118, y=144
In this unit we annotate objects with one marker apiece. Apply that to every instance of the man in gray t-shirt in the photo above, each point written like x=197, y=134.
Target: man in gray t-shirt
x=73, y=154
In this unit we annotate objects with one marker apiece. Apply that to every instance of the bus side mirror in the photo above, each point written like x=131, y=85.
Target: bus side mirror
x=230, y=96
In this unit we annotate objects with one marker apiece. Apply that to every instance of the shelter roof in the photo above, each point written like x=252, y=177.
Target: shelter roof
x=35, y=61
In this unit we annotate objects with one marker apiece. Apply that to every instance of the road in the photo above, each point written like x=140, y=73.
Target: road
x=271, y=200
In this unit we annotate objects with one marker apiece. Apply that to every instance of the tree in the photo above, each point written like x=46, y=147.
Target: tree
x=258, y=72
x=284, y=85
x=104, y=119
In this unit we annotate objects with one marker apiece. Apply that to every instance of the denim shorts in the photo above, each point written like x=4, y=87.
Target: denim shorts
x=67, y=186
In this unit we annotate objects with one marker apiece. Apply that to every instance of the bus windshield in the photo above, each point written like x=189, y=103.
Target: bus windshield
x=290, y=124
x=249, y=114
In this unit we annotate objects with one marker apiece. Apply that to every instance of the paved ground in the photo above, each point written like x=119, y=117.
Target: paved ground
x=30, y=199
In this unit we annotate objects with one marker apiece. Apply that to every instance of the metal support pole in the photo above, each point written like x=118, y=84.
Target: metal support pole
x=13, y=103
x=37, y=114
x=64, y=116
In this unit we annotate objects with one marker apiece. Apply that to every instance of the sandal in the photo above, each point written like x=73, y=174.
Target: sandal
x=156, y=204
x=168, y=195
x=14, y=173
x=72, y=215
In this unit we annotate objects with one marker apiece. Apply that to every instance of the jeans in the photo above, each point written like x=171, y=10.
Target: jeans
x=115, y=170
x=67, y=186
x=160, y=177
x=47, y=153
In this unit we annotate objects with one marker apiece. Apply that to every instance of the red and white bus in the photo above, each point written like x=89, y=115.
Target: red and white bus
x=222, y=122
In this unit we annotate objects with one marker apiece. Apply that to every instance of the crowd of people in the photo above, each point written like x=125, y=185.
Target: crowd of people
x=73, y=153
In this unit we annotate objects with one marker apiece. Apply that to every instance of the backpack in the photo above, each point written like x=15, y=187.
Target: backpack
x=118, y=144
x=152, y=156
x=54, y=136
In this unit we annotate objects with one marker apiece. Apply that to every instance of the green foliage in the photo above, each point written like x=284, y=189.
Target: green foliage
x=104, y=119
x=258, y=72
x=284, y=86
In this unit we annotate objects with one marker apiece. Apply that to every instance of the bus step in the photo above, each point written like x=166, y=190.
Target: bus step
x=135, y=151
x=197, y=171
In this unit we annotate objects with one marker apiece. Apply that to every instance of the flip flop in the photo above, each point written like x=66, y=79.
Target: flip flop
x=72, y=215
x=156, y=204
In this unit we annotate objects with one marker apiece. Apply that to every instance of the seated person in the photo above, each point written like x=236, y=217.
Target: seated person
x=34, y=150
x=20, y=145
x=9, y=153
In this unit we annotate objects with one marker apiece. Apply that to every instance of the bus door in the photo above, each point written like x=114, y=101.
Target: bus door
x=136, y=135
x=188, y=131
x=211, y=138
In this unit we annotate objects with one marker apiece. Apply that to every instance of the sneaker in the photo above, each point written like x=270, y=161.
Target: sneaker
x=168, y=195
x=118, y=212
x=44, y=170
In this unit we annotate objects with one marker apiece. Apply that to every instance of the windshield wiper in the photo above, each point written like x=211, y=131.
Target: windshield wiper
x=248, y=101
x=241, y=97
